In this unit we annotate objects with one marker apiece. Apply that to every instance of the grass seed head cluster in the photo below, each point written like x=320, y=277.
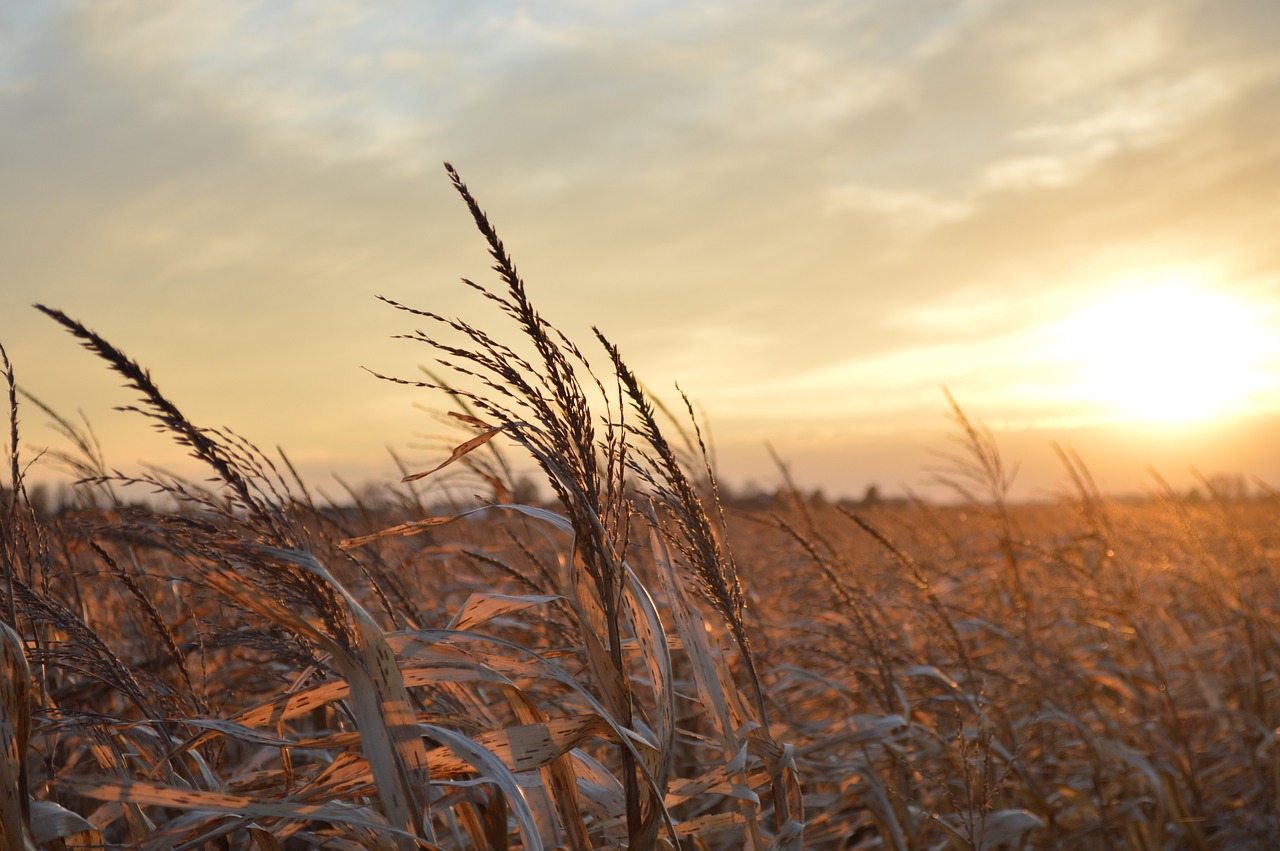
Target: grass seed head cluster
x=637, y=665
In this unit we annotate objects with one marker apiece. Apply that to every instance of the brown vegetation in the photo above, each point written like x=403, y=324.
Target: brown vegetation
x=633, y=667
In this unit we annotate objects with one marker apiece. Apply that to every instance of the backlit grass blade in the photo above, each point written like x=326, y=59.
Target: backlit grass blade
x=51, y=823
x=161, y=795
x=480, y=608
x=388, y=725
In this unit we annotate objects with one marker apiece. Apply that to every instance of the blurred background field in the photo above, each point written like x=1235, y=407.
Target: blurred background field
x=633, y=661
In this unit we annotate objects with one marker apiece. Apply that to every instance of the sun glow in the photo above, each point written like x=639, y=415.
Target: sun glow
x=1170, y=352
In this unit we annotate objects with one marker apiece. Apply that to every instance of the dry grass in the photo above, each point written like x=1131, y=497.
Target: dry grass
x=256, y=669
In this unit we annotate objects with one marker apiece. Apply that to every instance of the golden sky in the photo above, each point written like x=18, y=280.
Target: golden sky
x=811, y=215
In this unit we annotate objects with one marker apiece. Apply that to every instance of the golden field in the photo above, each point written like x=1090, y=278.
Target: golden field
x=636, y=663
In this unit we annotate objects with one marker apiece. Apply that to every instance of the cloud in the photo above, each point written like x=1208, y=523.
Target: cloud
x=1137, y=120
x=1069, y=51
x=908, y=212
x=739, y=193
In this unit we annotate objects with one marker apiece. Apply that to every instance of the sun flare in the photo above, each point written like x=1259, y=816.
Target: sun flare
x=1171, y=352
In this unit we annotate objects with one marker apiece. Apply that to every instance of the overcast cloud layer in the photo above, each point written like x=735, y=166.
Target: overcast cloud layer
x=810, y=214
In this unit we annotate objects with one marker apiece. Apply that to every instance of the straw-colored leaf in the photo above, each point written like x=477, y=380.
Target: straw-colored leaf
x=866, y=729
x=402, y=530
x=709, y=823
x=198, y=830
x=459, y=451
x=423, y=643
x=710, y=678
x=1006, y=826
x=528, y=747
x=469, y=419
x=50, y=822
x=494, y=770
x=263, y=839
x=693, y=634
x=148, y=793
x=376, y=691
x=789, y=838
x=482, y=607
x=651, y=641
x=550, y=517
x=719, y=781
x=15, y=733
x=389, y=732
x=232, y=730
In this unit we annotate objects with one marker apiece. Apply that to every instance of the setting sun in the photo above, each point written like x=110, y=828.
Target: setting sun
x=1170, y=352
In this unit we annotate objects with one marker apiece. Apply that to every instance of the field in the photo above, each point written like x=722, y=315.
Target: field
x=635, y=663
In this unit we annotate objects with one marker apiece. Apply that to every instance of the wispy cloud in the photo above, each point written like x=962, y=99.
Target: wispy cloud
x=788, y=199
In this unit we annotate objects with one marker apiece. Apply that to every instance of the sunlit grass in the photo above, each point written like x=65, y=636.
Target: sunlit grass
x=637, y=663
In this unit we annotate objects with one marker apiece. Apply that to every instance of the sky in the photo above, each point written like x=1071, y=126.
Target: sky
x=812, y=216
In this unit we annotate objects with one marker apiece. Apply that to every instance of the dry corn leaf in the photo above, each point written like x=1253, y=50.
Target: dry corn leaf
x=719, y=781
x=458, y=451
x=711, y=676
x=423, y=643
x=558, y=520
x=50, y=822
x=232, y=730
x=889, y=811
x=600, y=789
x=559, y=782
x=419, y=644
x=528, y=747
x=15, y=734
x=147, y=793
x=483, y=607
x=406, y=530
x=109, y=758
x=377, y=694
x=389, y=733
x=651, y=640
x=866, y=729
x=295, y=704
x=199, y=831
x=263, y=839
x=348, y=772
x=1005, y=826
x=709, y=823
x=789, y=838
x=693, y=634
x=490, y=767
x=469, y=420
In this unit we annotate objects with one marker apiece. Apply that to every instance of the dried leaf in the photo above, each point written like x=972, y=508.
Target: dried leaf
x=528, y=747
x=494, y=770
x=709, y=823
x=1005, y=826
x=458, y=451
x=389, y=734
x=158, y=794
x=15, y=733
x=413, y=527
x=651, y=640
x=481, y=608
x=469, y=420
x=50, y=822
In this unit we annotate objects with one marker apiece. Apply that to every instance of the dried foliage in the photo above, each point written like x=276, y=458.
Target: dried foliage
x=251, y=668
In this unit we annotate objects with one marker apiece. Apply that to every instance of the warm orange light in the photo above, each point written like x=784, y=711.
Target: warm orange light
x=1170, y=352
